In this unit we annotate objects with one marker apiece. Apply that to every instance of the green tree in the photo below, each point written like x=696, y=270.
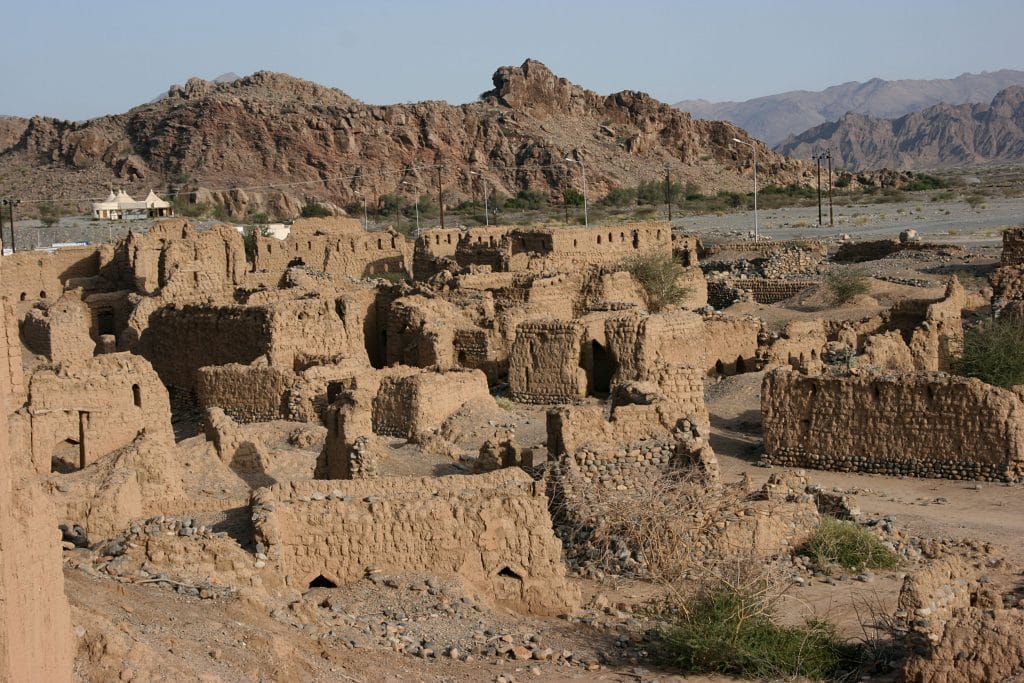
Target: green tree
x=658, y=275
x=994, y=352
x=49, y=213
x=572, y=197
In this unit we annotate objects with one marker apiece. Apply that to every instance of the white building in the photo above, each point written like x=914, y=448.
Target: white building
x=120, y=206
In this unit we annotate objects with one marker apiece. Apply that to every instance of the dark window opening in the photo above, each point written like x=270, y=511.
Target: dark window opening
x=137, y=395
x=105, y=322
x=42, y=295
x=322, y=582
x=24, y=296
x=462, y=358
x=741, y=365
x=603, y=368
x=719, y=367
x=636, y=239
x=509, y=574
x=296, y=262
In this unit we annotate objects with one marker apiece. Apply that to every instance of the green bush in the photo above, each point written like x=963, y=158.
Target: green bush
x=845, y=284
x=314, y=209
x=730, y=629
x=658, y=275
x=923, y=181
x=994, y=352
x=849, y=545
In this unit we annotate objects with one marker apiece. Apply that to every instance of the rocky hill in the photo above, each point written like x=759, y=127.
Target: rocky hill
x=776, y=117
x=283, y=140
x=943, y=135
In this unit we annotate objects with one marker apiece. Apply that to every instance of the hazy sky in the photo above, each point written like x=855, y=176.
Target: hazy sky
x=78, y=59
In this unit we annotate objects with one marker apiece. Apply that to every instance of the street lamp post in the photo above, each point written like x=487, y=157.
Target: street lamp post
x=586, y=219
x=10, y=204
x=487, y=220
x=754, y=151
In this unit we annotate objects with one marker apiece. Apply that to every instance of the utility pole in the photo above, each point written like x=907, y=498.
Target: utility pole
x=10, y=204
x=668, y=190
x=817, y=163
x=440, y=198
x=828, y=155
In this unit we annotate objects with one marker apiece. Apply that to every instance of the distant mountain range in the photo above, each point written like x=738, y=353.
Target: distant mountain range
x=776, y=117
x=942, y=135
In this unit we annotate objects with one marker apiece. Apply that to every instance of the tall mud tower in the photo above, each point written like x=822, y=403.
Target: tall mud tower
x=36, y=642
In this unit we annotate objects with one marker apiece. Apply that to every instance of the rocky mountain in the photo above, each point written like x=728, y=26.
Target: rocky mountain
x=269, y=141
x=943, y=135
x=776, y=117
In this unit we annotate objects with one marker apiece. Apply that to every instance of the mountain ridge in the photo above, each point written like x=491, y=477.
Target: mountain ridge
x=274, y=129
x=941, y=135
x=773, y=118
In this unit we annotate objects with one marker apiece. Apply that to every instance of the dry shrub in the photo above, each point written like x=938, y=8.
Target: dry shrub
x=668, y=524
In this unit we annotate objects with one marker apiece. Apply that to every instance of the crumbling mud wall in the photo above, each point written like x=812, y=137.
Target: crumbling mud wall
x=244, y=392
x=99, y=405
x=410, y=403
x=926, y=425
x=59, y=331
x=731, y=344
x=512, y=249
x=492, y=530
x=958, y=628
x=38, y=276
x=1013, y=247
x=398, y=401
x=36, y=642
x=172, y=254
x=179, y=341
x=337, y=247
x=544, y=366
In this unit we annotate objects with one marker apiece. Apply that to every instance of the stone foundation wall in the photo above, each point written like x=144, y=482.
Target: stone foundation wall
x=492, y=530
x=769, y=291
x=926, y=425
x=1013, y=247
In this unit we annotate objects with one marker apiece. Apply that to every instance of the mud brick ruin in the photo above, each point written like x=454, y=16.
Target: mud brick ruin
x=919, y=424
x=339, y=404
x=490, y=529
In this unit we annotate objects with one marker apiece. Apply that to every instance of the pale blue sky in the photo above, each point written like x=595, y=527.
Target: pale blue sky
x=77, y=59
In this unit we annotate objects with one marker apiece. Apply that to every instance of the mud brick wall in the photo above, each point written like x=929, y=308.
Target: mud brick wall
x=338, y=247
x=722, y=293
x=639, y=341
x=768, y=291
x=492, y=530
x=104, y=403
x=926, y=425
x=60, y=331
x=544, y=366
x=245, y=393
x=316, y=328
x=179, y=341
x=1013, y=247
x=36, y=640
x=37, y=276
x=411, y=401
x=731, y=344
